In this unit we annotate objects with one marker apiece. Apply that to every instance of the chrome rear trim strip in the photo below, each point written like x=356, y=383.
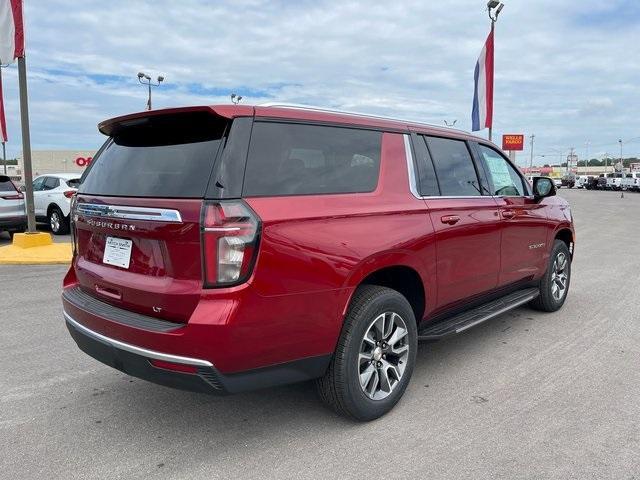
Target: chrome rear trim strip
x=129, y=213
x=133, y=349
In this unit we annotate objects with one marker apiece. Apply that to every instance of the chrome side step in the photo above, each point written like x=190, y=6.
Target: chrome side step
x=470, y=318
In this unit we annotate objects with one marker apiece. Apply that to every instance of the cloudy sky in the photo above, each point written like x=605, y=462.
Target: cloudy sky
x=567, y=71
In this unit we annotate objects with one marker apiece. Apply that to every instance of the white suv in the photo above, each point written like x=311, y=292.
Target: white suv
x=631, y=181
x=614, y=181
x=52, y=199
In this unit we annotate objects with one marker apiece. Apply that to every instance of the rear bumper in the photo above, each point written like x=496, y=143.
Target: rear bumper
x=136, y=361
x=14, y=222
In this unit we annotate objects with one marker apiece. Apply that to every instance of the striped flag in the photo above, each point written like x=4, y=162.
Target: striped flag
x=482, y=112
x=3, y=122
x=11, y=31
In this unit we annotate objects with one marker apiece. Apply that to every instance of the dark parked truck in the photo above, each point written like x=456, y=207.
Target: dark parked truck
x=228, y=248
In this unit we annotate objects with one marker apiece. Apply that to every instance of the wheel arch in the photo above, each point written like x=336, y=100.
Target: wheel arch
x=400, y=272
x=566, y=235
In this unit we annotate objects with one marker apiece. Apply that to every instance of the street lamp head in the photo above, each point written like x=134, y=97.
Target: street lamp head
x=160, y=79
x=491, y=4
x=147, y=77
x=140, y=75
x=239, y=98
x=499, y=9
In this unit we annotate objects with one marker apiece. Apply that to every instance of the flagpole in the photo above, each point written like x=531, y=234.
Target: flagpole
x=493, y=23
x=26, y=144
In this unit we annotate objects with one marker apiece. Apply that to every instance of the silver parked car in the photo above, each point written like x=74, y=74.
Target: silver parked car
x=13, y=217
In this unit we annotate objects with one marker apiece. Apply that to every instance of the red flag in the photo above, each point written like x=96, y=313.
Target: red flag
x=11, y=31
x=3, y=123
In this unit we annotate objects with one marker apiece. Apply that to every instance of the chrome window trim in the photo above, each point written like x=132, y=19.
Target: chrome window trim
x=413, y=184
x=136, y=350
x=129, y=213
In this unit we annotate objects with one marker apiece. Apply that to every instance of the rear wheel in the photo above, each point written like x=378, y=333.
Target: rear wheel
x=58, y=223
x=554, y=285
x=375, y=355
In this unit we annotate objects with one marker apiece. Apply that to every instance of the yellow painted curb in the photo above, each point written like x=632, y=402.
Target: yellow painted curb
x=44, y=255
x=30, y=240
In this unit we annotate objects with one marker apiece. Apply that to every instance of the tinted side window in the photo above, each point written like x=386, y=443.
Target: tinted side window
x=38, y=183
x=456, y=173
x=50, y=183
x=426, y=175
x=292, y=159
x=504, y=179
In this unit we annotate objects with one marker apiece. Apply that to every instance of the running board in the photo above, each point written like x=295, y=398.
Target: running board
x=470, y=318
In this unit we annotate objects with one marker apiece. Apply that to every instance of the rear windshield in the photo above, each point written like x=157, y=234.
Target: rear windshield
x=6, y=185
x=293, y=159
x=165, y=156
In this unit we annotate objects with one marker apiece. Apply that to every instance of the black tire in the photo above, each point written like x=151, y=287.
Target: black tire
x=340, y=387
x=547, y=301
x=57, y=222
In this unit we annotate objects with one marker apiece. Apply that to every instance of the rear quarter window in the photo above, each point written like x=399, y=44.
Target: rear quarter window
x=295, y=159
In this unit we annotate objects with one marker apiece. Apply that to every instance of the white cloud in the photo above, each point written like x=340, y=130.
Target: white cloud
x=557, y=68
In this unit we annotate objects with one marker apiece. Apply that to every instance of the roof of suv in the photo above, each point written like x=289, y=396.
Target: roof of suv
x=295, y=112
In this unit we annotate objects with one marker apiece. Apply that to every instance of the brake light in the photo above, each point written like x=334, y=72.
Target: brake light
x=13, y=196
x=73, y=217
x=69, y=193
x=230, y=233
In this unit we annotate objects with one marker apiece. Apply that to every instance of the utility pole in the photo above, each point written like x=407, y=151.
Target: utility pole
x=531, y=161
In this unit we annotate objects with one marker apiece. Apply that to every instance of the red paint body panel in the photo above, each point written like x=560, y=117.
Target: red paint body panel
x=314, y=251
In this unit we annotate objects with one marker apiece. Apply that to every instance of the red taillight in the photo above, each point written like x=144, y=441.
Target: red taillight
x=176, y=367
x=230, y=233
x=13, y=196
x=69, y=193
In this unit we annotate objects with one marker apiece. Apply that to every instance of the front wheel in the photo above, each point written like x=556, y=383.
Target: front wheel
x=554, y=285
x=375, y=355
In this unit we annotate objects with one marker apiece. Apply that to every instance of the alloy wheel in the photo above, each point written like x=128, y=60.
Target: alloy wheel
x=54, y=221
x=383, y=356
x=559, y=276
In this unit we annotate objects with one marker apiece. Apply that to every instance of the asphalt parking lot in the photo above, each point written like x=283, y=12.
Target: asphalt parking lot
x=527, y=395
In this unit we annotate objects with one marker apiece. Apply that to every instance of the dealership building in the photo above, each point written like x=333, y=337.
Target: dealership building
x=52, y=161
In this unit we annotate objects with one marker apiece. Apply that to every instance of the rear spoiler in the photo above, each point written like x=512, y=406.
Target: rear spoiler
x=113, y=125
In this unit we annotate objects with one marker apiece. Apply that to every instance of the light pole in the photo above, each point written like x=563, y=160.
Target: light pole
x=235, y=99
x=494, y=7
x=621, y=164
x=531, y=161
x=145, y=79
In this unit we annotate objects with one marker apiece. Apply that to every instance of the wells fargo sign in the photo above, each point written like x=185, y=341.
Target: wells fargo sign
x=513, y=142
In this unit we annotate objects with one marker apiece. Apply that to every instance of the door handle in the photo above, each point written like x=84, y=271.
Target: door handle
x=508, y=214
x=450, y=219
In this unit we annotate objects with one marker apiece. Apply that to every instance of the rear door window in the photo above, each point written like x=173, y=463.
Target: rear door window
x=50, y=183
x=454, y=167
x=168, y=156
x=295, y=159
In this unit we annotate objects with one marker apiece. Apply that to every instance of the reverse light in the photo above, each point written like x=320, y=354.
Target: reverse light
x=230, y=232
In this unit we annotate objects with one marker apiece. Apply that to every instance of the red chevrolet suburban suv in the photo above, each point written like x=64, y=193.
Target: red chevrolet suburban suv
x=228, y=248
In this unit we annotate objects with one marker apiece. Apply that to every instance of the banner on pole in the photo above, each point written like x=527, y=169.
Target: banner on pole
x=11, y=31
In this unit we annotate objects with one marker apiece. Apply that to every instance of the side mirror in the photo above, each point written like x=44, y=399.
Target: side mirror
x=543, y=187
x=22, y=188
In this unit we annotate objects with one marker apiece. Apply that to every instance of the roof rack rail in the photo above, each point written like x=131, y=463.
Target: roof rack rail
x=311, y=108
